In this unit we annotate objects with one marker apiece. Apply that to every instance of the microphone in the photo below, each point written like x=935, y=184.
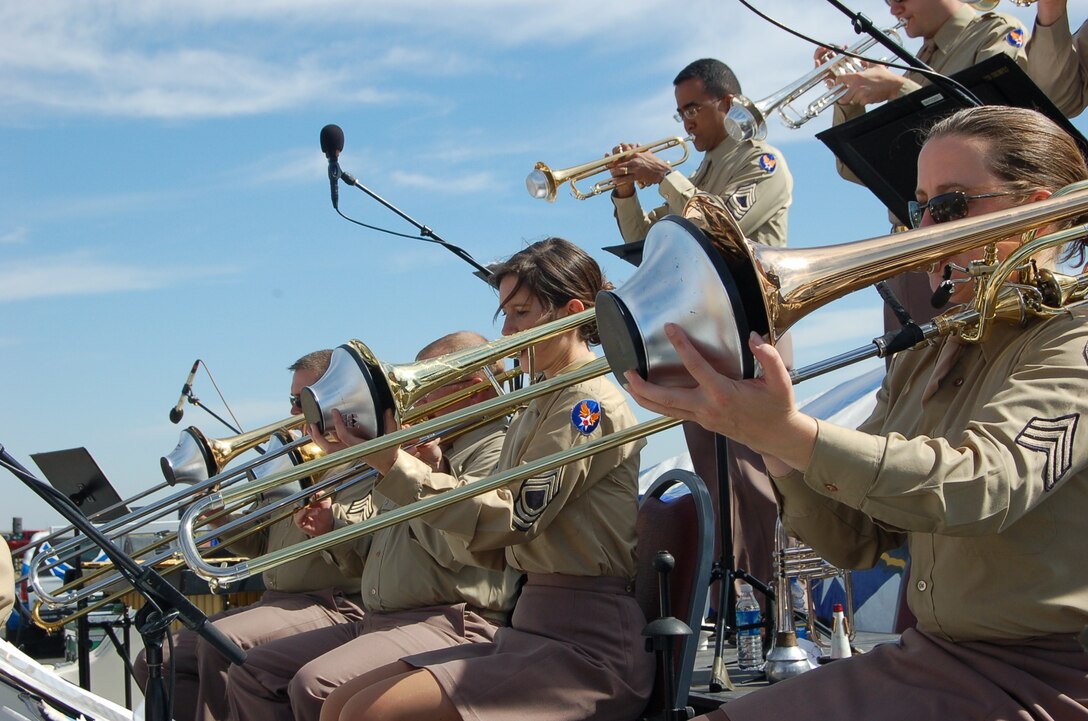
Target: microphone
x=332, y=142
x=944, y=291
x=176, y=412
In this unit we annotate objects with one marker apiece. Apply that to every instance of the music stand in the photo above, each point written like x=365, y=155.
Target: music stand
x=881, y=147
x=74, y=473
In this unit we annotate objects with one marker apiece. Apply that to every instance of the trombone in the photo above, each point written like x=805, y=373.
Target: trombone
x=782, y=286
x=747, y=120
x=543, y=182
x=190, y=462
x=281, y=501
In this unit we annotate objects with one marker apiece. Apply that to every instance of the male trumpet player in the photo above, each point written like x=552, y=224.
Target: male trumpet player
x=752, y=179
x=1056, y=59
x=301, y=595
x=954, y=37
x=414, y=588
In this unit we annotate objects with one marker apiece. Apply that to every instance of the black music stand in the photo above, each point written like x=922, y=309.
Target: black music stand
x=881, y=147
x=74, y=473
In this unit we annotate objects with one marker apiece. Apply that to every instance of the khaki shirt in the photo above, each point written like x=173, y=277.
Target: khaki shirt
x=578, y=519
x=1056, y=62
x=967, y=38
x=987, y=479
x=315, y=571
x=410, y=565
x=751, y=177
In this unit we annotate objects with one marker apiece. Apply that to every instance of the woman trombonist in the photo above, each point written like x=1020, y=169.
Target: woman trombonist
x=976, y=455
x=573, y=649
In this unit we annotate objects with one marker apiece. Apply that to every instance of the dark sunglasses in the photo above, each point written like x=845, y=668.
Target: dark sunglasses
x=296, y=400
x=946, y=206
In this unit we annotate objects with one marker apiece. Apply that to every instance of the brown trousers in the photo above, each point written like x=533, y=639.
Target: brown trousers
x=200, y=672
x=924, y=677
x=290, y=678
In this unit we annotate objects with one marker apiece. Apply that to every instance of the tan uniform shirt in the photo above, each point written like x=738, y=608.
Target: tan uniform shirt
x=1056, y=62
x=411, y=565
x=578, y=519
x=967, y=38
x=315, y=571
x=751, y=177
x=987, y=478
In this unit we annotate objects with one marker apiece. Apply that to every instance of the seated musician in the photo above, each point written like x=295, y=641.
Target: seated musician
x=299, y=596
x=573, y=649
x=976, y=455
x=413, y=590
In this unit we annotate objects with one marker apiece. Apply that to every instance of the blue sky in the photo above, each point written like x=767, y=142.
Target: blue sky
x=163, y=197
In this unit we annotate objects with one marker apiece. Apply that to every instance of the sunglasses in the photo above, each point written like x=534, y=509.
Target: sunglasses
x=296, y=400
x=946, y=206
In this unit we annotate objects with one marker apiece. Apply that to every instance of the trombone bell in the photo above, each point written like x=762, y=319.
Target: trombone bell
x=679, y=269
x=190, y=461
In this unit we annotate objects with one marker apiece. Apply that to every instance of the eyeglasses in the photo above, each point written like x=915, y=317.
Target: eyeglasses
x=894, y=2
x=688, y=112
x=296, y=400
x=946, y=206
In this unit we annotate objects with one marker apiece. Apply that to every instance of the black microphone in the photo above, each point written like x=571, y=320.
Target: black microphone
x=332, y=142
x=944, y=291
x=176, y=412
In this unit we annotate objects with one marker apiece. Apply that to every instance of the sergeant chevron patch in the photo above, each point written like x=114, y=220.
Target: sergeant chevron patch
x=533, y=497
x=1054, y=438
x=740, y=202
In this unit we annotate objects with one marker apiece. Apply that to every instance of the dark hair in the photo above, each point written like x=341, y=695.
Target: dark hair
x=1027, y=150
x=718, y=79
x=556, y=271
x=317, y=361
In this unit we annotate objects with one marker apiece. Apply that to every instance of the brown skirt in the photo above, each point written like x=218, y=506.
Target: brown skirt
x=924, y=677
x=574, y=650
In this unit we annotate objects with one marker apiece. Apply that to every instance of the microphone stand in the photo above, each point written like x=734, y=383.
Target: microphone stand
x=164, y=602
x=862, y=24
x=482, y=272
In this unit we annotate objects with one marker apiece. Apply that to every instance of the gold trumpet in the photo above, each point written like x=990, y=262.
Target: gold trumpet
x=544, y=182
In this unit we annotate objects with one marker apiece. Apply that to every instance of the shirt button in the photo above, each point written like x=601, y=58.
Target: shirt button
x=373, y=592
x=958, y=382
x=831, y=488
x=922, y=585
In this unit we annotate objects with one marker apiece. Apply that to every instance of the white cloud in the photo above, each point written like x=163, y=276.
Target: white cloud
x=455, y=185
x=16, y=236
x=80, y=273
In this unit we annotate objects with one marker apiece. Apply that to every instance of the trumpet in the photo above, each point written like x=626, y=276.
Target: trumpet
x=987, y=5
x=747, y=120
x=544, y=182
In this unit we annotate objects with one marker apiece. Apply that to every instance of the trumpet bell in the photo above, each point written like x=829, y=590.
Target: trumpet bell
x=746, y=120
x=541, y=183
x=680, y=269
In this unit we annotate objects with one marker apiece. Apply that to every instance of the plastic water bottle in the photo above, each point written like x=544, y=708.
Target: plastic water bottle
x=840, y=634
x=800, y=612
x=749, y=640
